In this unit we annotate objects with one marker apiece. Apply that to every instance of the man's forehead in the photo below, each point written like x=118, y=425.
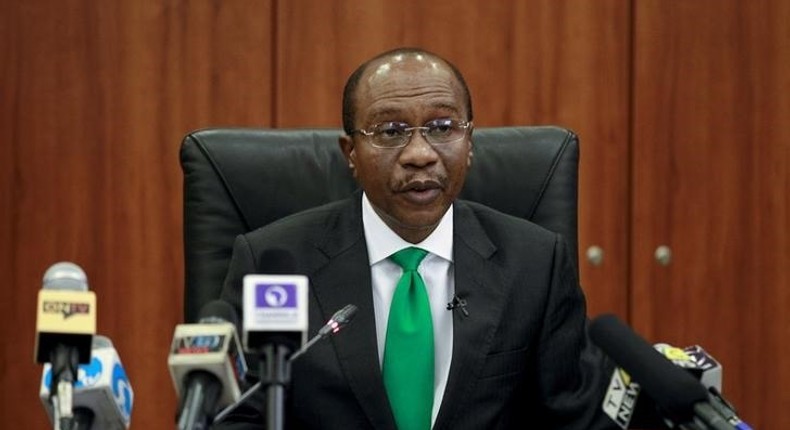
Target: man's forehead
x=385, y=68
x=403, y=60
x=390, y=85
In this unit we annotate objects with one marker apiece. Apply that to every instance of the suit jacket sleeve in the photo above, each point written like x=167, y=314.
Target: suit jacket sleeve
x=572, y=372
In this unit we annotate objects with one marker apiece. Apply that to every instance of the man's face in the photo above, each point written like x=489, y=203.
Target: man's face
x=411, y=187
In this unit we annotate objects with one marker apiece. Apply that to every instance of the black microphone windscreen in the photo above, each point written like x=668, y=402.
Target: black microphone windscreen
x=345, y=315
x=673, y=389
x=277, y=261
x=216, y=310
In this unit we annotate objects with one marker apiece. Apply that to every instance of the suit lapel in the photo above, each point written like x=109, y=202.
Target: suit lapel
x=346, y=279
x=479, y=282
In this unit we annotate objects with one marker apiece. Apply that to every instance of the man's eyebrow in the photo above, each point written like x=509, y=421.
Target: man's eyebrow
x=382, y=112
x=448, y=106
x=389, y=111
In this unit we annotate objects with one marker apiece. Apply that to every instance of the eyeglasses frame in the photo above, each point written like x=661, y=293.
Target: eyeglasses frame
x=465, y=125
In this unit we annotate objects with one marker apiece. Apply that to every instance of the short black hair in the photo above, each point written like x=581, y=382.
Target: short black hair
x=349, y=91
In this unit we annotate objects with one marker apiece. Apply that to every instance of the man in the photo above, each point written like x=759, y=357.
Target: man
x=515, y=356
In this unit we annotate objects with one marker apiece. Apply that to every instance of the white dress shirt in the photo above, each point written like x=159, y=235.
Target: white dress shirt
x=437, y=272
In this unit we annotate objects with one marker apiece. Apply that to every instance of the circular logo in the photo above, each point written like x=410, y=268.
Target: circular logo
x=122, y=390
x=88, y=375
x=275, y=296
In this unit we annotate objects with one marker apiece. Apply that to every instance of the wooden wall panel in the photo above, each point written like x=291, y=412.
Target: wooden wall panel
x=96, y=97
x=711, y=173
x=526, y=62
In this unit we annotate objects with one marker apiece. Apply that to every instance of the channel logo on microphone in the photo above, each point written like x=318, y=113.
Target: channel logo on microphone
x=276, y=300
x=88, y=375
x=275, y=295
x=275, y=304
x=696, y=361
x=198, y=344
x=122, y=391
x=66, y=308
x=620, y=399
x=102, y=386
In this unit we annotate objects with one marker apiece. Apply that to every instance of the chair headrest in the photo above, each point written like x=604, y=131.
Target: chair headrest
x=236, y=180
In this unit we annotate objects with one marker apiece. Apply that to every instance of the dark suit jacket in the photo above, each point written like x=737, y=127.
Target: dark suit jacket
x=520, y=358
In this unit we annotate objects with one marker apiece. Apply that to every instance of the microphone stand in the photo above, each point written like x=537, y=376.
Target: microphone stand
x=202, y=388
x=257, y=386
x=275, y=376
x=284, y=371
x=275, y=370
x=64, y=361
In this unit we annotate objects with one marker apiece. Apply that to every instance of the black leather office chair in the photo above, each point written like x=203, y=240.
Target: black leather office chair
x=236, y=180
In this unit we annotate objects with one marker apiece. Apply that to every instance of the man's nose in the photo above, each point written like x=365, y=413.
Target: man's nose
x=418, y=151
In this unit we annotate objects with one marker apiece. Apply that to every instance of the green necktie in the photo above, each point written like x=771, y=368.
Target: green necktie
x=408, y=351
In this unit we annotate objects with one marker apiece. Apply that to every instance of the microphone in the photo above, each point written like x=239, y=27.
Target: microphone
x=206, y=364
x=103, y=396
x=275, y=304
x=275, y=325
x=696, y=361
x=65, y=325
x=458, y=302
x=625, y=407
x=337, y=322
x=681, y=399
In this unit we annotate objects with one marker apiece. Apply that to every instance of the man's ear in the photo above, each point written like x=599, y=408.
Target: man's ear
x=347, y=147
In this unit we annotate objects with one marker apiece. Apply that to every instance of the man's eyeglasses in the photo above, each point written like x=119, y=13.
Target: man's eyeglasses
x=392, y=135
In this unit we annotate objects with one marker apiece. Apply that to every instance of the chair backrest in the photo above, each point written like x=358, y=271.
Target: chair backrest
x=236, y=180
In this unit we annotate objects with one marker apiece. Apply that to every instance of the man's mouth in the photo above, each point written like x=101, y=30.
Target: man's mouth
x=422, y=192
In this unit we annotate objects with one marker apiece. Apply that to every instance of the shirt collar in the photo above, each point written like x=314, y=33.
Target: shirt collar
x=383, y=242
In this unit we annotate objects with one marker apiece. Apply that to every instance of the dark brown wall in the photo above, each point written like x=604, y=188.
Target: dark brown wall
x=681, y=109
